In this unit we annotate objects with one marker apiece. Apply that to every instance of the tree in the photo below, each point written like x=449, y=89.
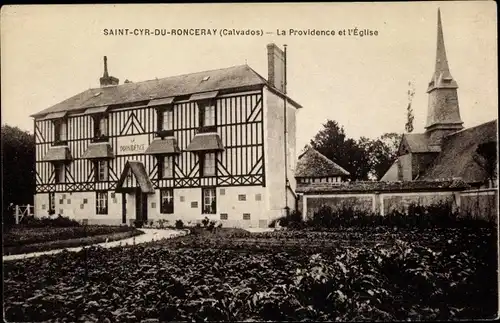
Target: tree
x=409, y=110
x=332, y=142
x=486, y=158
x=18, y=161
x=382, y=152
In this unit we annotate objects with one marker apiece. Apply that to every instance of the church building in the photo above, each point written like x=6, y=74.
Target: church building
x=217, y=144
x=446, y=150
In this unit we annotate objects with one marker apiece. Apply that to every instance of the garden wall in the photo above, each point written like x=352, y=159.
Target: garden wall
x=477, y=203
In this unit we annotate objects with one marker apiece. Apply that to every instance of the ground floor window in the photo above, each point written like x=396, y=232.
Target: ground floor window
x=101, y=202
x=167, y=200
x=209, y=201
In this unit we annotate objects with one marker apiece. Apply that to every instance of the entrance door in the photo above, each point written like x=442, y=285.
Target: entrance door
x=124, y=208
x=141, y=206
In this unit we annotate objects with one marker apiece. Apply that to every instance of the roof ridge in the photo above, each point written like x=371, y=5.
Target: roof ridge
x=471, y=128
x=178, y=75
x=327, y=159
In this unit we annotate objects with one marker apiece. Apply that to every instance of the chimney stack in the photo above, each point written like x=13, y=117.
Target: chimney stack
x=107, y=80
x=276, y=67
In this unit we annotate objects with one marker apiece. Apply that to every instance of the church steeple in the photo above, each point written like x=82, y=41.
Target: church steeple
x=443, y=116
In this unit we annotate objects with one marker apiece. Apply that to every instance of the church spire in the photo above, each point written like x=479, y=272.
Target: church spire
x=443, y=115
x=442, y=77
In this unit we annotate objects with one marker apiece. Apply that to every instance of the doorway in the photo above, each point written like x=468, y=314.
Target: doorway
x=141, y=206
x=124, y=208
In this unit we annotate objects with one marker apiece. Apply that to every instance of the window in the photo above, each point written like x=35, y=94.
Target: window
x=167, y=200
x=207, y=114
x=166, y=166
x=52, y=201
x=59, y=171
x=101, y=171
x=100, y=126
x=242, y=197
x=168, y=119
x=60, y=130
x=258, y=197
x=165, y=118
x=102, y=202
x=208, y=167
x=246, y=216
x=223, y=216
x=209, y=201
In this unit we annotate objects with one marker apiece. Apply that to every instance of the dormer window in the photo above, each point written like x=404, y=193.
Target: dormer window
x=60, y=130
x=100, y=126
x=166, y=120
x=207, y=116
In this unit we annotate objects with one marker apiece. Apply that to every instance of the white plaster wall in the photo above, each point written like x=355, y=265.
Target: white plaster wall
x=71, y=204
x=230, y=204
x=274, y=158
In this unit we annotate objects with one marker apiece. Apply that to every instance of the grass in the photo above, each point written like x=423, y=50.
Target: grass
x=21, y=240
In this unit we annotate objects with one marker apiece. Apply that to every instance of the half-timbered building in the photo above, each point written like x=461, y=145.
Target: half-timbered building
x=217, y=144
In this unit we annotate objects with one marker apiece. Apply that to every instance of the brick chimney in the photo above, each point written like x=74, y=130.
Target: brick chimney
x=107, y=80
x=276, y=67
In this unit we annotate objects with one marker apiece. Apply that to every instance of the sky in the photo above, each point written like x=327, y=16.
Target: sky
x=50, y=53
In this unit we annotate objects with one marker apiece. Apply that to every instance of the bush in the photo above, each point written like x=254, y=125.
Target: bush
x=58, y=222
x=179, y=224
x=292, y=220
x=205, y=221
x=138, y=223
x=211, y=225
x=440, y=215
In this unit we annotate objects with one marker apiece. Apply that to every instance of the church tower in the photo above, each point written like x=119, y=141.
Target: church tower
x=443, y=115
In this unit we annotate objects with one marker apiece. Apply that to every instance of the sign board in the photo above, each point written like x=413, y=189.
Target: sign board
x=132, y=145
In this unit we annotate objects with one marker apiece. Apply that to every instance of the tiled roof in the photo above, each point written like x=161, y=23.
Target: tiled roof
x=370, y=187
x=163, y=146
x=205, y=142
x=227, y=78
x=419, y=143
x=314, y=164
x=457, y=154
x=57, y=153
x=98, y=150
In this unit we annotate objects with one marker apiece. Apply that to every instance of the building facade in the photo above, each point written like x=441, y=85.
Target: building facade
x=206, y=144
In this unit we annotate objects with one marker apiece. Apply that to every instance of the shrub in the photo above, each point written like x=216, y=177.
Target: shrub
x=292, y=220
x=205, y=221
x=138, y=223
x=59, y=222
x=179, y=224
x=211, y=225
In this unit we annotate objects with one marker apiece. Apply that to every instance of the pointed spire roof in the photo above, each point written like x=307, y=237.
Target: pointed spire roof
x=442, y=77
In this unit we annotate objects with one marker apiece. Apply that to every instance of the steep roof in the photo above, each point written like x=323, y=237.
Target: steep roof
x=381, y=186
x=418, y=143
x=457, y=154
x=220, y=79
x=314, y=164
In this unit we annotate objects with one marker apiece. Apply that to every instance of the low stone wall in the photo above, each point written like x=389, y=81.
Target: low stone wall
x=481, y=203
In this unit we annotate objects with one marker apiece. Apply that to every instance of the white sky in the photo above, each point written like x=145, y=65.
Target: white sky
x=50, y=53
